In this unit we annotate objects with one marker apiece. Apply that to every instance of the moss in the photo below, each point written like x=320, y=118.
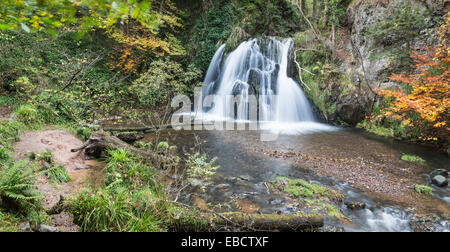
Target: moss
x=412, y=158
x=424, y=189
x=318, y=206
x=301, y=188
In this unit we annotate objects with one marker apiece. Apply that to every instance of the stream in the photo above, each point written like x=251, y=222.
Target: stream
x=246, y=163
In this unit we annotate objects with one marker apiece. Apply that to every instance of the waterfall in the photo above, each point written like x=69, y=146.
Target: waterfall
x=258, y=70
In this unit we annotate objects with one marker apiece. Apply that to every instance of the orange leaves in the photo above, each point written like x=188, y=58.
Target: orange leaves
x=428, y=91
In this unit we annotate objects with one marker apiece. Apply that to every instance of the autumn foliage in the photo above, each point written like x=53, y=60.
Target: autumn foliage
x=425, y=106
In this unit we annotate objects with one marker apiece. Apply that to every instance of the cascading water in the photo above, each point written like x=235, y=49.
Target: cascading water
x=257, y=69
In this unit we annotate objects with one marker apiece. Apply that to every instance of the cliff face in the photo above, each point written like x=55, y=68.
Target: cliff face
x=372, y=58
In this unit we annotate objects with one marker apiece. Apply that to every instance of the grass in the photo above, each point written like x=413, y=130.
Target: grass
x=58, y=174
x=424, y=189
x=130, y=201
x=412, y=158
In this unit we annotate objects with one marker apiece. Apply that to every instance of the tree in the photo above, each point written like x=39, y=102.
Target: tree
x=427, y=106
x=147, y=25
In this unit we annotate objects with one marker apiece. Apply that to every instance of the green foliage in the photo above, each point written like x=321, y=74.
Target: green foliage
x=275, y=17
x=9, y=222
x=412, y=158
x=211, y=29
x=424, y=189
x=18, y=189
x=58, y=174
x=199, y=167
x=9, y=132
x=84, y=133
x=131, y=201
x=124, y=170
x=405, y=23
x=4, y=155
x=163, y=80
x=163, y=146
x=27, y=114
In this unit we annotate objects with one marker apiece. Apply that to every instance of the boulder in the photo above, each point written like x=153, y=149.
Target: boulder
x=355, y=205
x=442, y=172
x=439, y=180
x=351, y=109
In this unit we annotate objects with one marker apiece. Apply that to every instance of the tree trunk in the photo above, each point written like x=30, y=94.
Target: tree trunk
x=304, y=7
x=99, y=142
x=314, y=15
x=333, y=40
x=327, y=12
x=236, y=221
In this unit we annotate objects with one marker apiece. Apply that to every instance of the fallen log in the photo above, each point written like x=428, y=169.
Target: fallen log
x=99, y=142
x=237, y=221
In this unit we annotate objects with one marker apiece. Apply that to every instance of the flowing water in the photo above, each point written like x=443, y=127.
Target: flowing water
x=252, y=83
x=246, y=164
x=362, y=166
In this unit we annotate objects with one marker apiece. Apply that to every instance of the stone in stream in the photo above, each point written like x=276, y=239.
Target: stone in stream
x=437, y=172
x=355, y=205
x=46, y=229
x=221, y=188
x=245, y=178
x=439, y=180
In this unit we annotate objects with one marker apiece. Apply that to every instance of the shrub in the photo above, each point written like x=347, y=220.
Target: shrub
x=58, y=174
x=9, y=132
x=84, y=133
x=28, y=114
x=199, y=167
x=162, y=81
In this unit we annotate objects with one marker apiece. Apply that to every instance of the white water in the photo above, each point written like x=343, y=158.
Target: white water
x=252, y=84
x=256, y=66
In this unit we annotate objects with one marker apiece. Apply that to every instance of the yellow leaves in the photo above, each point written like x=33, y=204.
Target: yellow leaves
x=440, y=124
x=427, y=105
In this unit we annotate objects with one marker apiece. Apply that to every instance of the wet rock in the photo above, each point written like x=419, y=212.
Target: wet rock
x=240, y=88
x=437, y=172
x=231, y=179
x=355, y=205
x=275, y=202
x=351, y=109
x=130, y=138
x=46, y=229
x=439, y=180
x=83, y=167
x=244, y=178
x=221, y=187
x=195, y=182
x=26, y=227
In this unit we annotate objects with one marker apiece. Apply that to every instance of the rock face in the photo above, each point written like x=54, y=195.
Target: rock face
x=375, y=53
x=351, y=109
x=371, y=60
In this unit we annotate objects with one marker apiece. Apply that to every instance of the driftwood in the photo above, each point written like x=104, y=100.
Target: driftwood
x=99, y=142
x=236, y=221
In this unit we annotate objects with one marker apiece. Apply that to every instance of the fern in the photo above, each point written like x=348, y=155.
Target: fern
x=17, y=185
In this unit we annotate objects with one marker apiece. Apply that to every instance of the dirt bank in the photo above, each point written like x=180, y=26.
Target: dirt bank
x=82, y=173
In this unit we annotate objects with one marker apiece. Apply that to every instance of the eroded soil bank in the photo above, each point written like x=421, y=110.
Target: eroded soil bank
x=83, y=173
